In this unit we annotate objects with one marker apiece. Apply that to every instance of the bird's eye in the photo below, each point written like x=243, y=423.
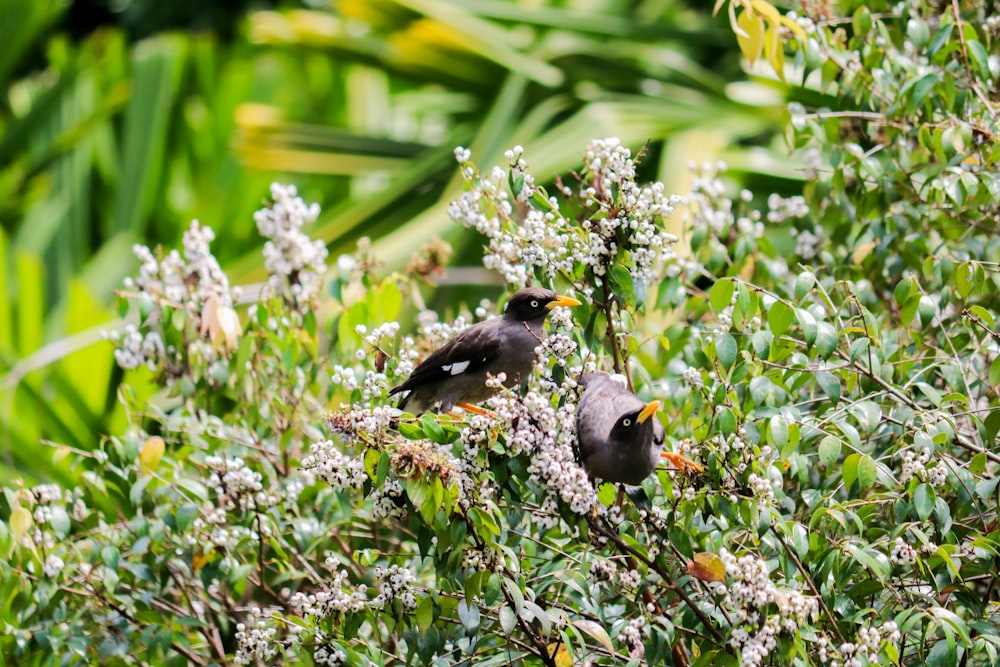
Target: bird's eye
x=534, y=303
x=626, y=422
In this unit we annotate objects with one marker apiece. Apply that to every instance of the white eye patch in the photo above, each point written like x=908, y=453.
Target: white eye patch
x=456, y=368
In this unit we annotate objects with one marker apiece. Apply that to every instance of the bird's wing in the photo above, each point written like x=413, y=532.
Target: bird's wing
x=469, y=351
x=595, y=414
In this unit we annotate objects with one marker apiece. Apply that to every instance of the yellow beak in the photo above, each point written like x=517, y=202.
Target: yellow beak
x=648, y=411
x=560, y=300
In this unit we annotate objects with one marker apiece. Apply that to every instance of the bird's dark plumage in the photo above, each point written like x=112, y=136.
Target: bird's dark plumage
x=457, y=371
x=620, y=437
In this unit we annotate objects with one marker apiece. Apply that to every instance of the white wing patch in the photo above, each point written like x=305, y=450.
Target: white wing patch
x=456, y=368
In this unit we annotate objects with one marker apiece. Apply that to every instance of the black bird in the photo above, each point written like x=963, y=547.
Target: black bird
x=456, y=373
x=620, y=438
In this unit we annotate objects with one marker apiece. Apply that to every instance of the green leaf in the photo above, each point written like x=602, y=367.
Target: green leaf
x=829, y=384
x=803, y=283
x=867, y=413
x=904, y=288
x=866, y=471
x=779, y=317
x=826, y=339
x=725, y=350
x=927, y=309
x=983, y=314
x=411, y=430
x=469, y=615
x=721, y=294
x=764, y=392
x=964, y=274
x=829, y=450
x=850, y=469
x=109, y=555
x=382, y=471
x=726, y=421
x=778, y=431
x=980, y=59
x=861, y=21
x=432, y=429
x=978, y=464
x=745, y=307
x=923, y=501
x=508, y=620
x=909, y=309
x=995, y=372
x=424, y=614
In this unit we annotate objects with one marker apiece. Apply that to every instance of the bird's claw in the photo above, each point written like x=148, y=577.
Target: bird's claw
x=475, y=409
x=683, y=464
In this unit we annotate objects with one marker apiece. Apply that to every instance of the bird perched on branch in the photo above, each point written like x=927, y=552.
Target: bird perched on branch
x=456, y=373
x=620, y=438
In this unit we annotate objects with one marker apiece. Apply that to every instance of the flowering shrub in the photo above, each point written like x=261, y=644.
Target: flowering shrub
x=831, y=378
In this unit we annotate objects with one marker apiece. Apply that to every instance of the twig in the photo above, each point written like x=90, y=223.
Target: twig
x=626, y=549
x=809, y=581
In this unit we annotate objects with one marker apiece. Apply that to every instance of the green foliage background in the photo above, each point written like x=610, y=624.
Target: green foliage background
x=836, y=374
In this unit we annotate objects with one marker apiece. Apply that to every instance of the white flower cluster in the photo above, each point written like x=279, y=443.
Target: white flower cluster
x=336, y=468
x=255, y=643
x=329, y=656
x=631, y=637
x=763, y=478
x=474, y=483
x=193, y=282
x=397, y=584
x=781, y=208
x=133, y=349
x=915, y=466
x=749, y=599
x=903, y=553
x=53, y=566
x=186, y=281
x=292, y=259
x=241, y=486
x=867, y=648
x=530, y=238
x=213, y=528
x=338, y=598
x=370, y=421
x=387, y=502
x=547, y=435
x=808, y=243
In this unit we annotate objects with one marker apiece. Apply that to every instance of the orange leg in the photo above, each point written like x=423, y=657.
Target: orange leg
x=475, y=409
x=681, y=463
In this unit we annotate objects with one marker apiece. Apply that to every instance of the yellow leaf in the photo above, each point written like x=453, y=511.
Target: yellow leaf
x=851, y=330
x=794, y=27
x=597, y=631
x=774, y=51
x=560, y=654
x=753, y=41
x=220, y=324
x=707, y=566
x=768, y=10
x=201, y=558
x=150, y=454
x=20, y=522
x=863, y=250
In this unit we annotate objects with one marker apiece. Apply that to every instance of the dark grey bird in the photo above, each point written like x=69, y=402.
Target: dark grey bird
x=620, y=438
x=456, y=373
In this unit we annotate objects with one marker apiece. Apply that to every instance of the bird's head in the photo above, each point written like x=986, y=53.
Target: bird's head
x=639, y=426
x=534, y=303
